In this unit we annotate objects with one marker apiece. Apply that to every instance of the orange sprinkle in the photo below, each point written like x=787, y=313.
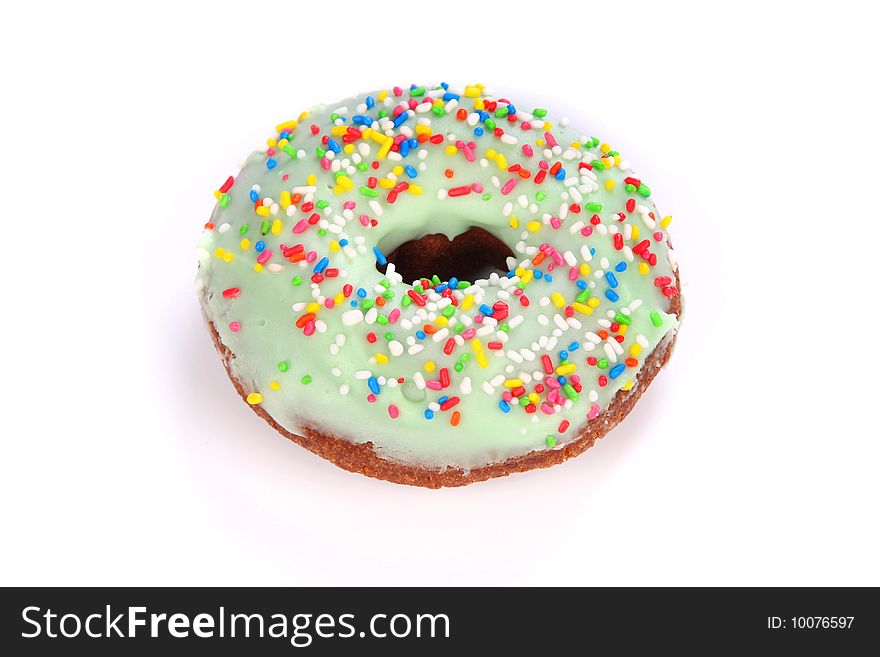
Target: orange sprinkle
x=603, y=334
x=455, y=419
x=380, y=301
x=449, y=173
x=430, y=329
x=538, y=259
x=631, y=362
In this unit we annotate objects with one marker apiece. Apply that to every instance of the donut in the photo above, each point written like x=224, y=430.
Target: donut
x=436, y=286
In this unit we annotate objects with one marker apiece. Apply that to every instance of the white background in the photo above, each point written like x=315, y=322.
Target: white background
x=127, y=458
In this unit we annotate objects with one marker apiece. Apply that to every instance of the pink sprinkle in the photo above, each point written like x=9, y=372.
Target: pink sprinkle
x=594, y=411
x=556, y=223
x=270, y=151
x=586, y=231
x=527, y=150
x=285, y=177
x=507, y=395
x=553, y=396
x=394, y=315
x=574, y=379
x=364, y=219
x=349, y=205
x=300, y=227
x=478, y=319
x=543, y=164
x=234, y=327
x=434, y=384
x=573, y=274
x=309, y=328
x=525, y=125
x=658, y=236
x=477, y=187
x=547, y=409
x=393, y=411
x=551, y=140
x=264, y=256
x=311, y=256
x=508, y=186
x=328, y=302
x=371, y=398
x=325, y=164
x=551, y=382
x=467, y=335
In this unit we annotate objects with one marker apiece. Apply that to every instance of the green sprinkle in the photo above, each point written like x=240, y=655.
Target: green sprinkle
x=366, y=191
x=582, y=296
x=487, y=197
x=322, y=232
x=283, y=366
x=541, y=196
x=501, y=112
x=458, y=367
x=592, y=206
x=551, y=441
x=381, y=319
x=385, y=283
x=264, y=227
x=490, y=124
x=570, y=392
x=448, y=311
x=524, y=401
x=418, y=91
x=243, y=230
x=333, y=117
x=504, y=327
x=366, y=304
x=322, y=204
x=463, y=285
x=290, y=151
x=540, y=112
x=603, y=363
x=297, y=281
x=383, y=114
x=388, y=294
x=307, y=379
x=630, y=188
x=406, y=301
x=224, y=200
x=435, y=279
x=320, y=152
x=438, y=111
x=362, y=166
x=389, y=336
x=418, y=288
x=644, y=190
x=459, y=328
x=620, y=318
x=656, y=320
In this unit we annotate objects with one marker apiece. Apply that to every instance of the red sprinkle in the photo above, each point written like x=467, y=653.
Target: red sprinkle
x=449, y=403
x=231, y=293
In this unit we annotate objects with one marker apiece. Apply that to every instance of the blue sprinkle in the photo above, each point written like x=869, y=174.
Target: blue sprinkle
x=334, y=146
x=399, y=120
x=548, y=278
x=581, y=284
x=510, y=274
x=483, y=115
x=450, y=96
x=270, y=163
x=560, y=175
x=413, y=143
x=429, y=414
x=563, y=355
x=592, y=250
x=453, y=283
x=260, y=246
x=562, y=380
x=362, y=293
x=411, y=171
x=478, y=131
x=612, y=295
x=441, y=287
x=620, y=266
x=343, y=242
x=443, y=399
x=445, y=85
x=283, y=135
x=420, y=335
x=322, y=265
x=254, y=196
x=373, y=383
x=360, y=119
x=616, y=371
x=404, y=148
x=511, y=109
x=488, y=311
x=380, y=258
x=353, y=303
x=539, y=274
x=611, y=278
x=504, y=406
x=371, y=102
x=574, y=346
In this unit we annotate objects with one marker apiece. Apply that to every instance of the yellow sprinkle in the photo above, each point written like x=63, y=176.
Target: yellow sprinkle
x=565, y=370
x=277, y=225
x=228, y=256
x=339, y=298
x=593, y=302
x=623, y=329
x=423, y=129
x=441, y=321
x=528, y=276
x=636, y=233
x=263, y=211
x=334, y=246
x=386, y=183
x=312, y=180
x=313, y=307
x=219, y=253
x=397, y=171
x=345, y=181
x=287, y=126
x=217, y=194
x=381, y=359
x=513, y=383
x=514, y=222
x=575, y=145
x=245, y=244
x=476, y=345
x=348, y=148
x=254, y=398
x=491, y=154
x=635, y=350
x=482, y=361
x=338, y=130
x=415, y=189
x=501, y=161
x=533, y=226
x=274, y=385
x=604, y=148
x=285, y=199
x=609, y=184
x=539, y=142
x=472, y=91
x=548, y=126
x=479, y=104
x=283, y=142
x=382, y=95
x=643, y=268
x=534, y=397
x=617, y=160
x=258, y=267
x=430, y=366
x=467, y=302
x=451, y=150
x=627, y=385
x=558, y=300
x=584, y=269
x=581, y=308
x=338, y=189
x=385, y=148
x=519, y=271
x=665, y=221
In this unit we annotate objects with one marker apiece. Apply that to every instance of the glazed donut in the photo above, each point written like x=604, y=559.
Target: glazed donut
x=434, y=286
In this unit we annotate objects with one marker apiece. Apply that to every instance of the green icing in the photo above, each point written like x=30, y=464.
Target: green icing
x=324, y=377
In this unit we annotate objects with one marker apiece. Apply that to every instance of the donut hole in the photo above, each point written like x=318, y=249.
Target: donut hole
x=469, y=256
